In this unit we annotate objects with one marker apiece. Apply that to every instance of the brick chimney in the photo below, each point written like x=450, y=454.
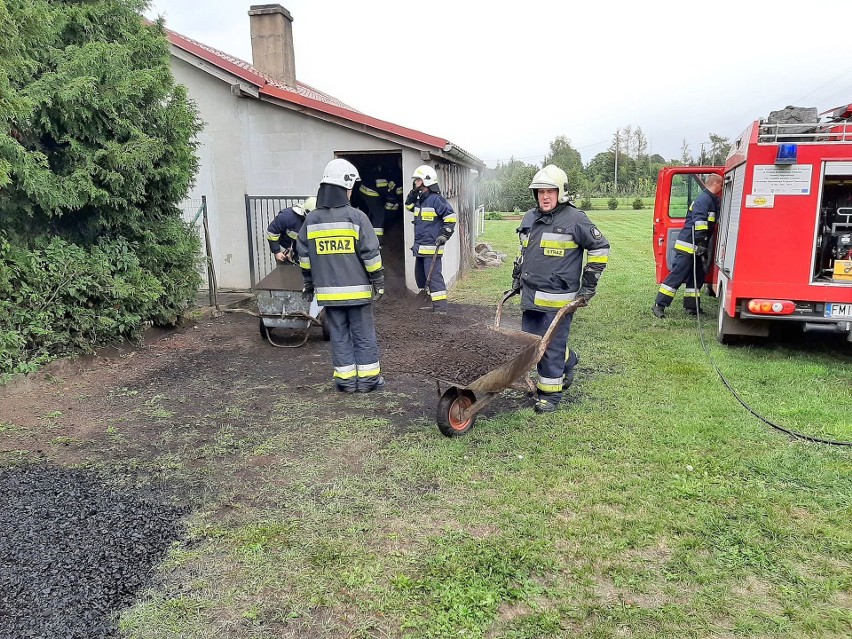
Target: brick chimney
x=272, y=42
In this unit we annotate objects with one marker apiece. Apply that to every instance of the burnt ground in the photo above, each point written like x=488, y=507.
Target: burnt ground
x=149, y=429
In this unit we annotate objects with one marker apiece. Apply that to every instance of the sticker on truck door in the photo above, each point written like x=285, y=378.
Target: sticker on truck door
x=791, y=179
x=760, y=201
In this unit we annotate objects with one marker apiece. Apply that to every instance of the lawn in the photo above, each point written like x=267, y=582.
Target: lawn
x=651, y=505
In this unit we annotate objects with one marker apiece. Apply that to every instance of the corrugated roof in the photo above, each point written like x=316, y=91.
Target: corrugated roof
x=307, y=96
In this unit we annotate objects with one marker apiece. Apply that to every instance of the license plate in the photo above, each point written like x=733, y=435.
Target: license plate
x=838, y=311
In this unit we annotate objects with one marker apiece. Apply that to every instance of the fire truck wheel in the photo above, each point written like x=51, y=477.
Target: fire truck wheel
x=723, y=325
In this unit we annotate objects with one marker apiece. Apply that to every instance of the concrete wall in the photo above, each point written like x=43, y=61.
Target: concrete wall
x=253, y=147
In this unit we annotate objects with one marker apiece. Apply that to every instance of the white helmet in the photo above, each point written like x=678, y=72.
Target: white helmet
x=340, y=172
x=303, y=208
x=425, y=173
x=551, y=177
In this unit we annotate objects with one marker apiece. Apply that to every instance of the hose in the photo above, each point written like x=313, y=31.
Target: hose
x=731, y=389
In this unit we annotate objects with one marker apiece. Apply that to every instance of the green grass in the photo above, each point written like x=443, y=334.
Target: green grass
x=651, y=506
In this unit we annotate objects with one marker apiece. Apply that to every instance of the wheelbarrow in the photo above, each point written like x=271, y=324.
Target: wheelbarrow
x=458, y=405
x=281, y=304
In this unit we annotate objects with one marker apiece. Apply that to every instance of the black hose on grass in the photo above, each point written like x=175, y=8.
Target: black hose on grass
x=765, y=420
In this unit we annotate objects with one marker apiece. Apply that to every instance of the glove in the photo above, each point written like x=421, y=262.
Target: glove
x=586, y=294
x=378, y=294
x=441, y=240
x=700, y=250
x=516, y=274
x=308, y=290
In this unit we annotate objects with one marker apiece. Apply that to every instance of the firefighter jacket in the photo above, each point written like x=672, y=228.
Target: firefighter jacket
x=286, y=223
x=339, y=255
x=433, y=216
x=552, y=246
x=701, y=219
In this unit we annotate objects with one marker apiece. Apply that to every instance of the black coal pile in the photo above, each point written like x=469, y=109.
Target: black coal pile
x=74, y=550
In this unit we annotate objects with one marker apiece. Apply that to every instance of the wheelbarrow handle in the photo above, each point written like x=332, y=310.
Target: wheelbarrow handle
x=505, y=297
x=548, y=334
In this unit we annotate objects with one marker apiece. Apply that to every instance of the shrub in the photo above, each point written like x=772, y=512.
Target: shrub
x=59, y=298
x=493, y=215
x=612, y=203
x=638, y=203
x=586, y=204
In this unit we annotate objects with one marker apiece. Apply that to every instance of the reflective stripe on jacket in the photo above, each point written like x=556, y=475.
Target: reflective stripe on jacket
x=433, y=216
x=339, y=255
x=702, y=218
x=552, y=247
x=286, y=224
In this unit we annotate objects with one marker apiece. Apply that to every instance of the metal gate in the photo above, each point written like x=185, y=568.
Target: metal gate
x=260, y=211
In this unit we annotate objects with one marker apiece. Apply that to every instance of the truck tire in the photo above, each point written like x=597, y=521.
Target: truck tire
x=724, y=321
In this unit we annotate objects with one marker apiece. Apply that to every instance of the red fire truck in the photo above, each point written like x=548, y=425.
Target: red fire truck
x=782, y=250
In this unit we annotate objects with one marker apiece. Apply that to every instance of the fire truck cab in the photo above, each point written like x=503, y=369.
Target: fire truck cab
x=782, y=249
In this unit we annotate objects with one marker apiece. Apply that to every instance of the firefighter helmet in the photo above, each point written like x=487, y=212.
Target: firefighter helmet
x=341, y=173
x=551, y=177
x=303, y=208
x=425, y=173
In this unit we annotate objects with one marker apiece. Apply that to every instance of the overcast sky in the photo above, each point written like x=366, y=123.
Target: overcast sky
x=503, y=82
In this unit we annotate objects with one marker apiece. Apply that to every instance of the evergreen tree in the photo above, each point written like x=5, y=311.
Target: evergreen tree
x=96, y=151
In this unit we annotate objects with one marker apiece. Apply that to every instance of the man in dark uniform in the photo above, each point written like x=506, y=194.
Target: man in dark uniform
x=287, y=223
x=549, y=273
x=434, y=223
x=691, y=245
x=341, y=264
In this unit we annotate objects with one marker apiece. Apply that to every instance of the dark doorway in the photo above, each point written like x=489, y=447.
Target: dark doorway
x=381, y=195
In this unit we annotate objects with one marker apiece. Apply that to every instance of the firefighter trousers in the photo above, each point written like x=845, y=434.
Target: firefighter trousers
x=554, y=368
x=354, y=348
x=437, y=287
x=686, y=269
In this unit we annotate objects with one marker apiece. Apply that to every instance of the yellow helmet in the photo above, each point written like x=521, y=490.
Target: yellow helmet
x=551, y=177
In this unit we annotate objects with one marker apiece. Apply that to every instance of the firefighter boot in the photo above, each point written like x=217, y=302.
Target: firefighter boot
x=378, y=385
x=695, y=311
x=659, y=311
x=544, y=404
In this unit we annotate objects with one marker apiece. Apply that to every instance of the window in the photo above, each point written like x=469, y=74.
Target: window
x=685, y=188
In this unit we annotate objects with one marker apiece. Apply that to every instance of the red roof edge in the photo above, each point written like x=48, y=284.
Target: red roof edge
x=273, y=91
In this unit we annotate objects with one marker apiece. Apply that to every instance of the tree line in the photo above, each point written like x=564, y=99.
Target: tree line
x=625, y=169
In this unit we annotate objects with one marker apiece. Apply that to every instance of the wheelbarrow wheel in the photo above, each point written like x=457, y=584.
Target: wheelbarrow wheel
x=450, y=407
x=326, y=332
x=264, y=332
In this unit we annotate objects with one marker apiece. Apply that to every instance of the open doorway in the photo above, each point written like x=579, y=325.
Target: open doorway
x=381, y=195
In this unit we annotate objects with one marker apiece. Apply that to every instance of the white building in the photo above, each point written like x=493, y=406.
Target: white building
x=267, y=138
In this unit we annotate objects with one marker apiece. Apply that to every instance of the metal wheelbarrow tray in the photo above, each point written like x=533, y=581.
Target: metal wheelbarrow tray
x=281, y=305
x=458, y=405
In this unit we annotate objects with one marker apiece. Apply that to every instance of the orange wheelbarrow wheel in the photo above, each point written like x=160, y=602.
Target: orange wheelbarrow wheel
x=452, y=404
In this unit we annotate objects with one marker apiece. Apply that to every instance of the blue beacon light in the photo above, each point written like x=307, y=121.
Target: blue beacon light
x=786, y=154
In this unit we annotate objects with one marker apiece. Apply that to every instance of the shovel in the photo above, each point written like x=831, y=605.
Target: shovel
x=426, y=293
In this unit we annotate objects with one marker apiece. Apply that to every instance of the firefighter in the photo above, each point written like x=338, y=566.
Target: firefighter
x=372, y=193
x=288, y=222
x=341, y=264
x=434, y=222
x=549, y=273
x=690, y=247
